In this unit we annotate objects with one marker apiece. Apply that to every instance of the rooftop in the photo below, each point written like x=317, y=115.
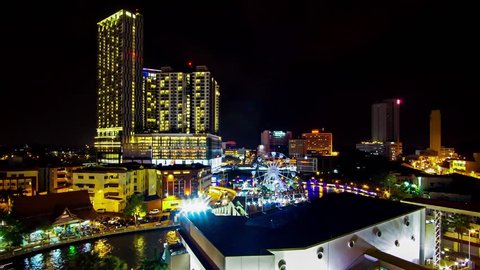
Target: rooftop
x=324, y=219
x=44, y=209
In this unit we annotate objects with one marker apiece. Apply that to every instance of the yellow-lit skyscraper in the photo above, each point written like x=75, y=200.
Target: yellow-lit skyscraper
x=205, y=102
x=174, y=105
x=151, y=99
x=435, y=131
x=119, y=83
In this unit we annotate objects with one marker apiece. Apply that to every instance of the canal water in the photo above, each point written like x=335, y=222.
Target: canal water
x=132, y=248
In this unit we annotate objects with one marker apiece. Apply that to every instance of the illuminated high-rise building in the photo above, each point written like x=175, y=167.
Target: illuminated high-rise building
x=174, y=105
x=386, y=121
x=435, y=131
x=151, y=99
x=320, y=143
x=204, y=102
x=119, y=83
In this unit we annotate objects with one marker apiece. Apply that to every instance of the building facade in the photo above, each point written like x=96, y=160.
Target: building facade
x=110, y=187
x=392, y=239
x=185, y=180
x=119, y=82
x=275, y=141
x=318, y=143
x=205, y=101
x=175, y=148
x=386, y=121
x=19, y=181
x=151, y=97
x=296, y=148
x=435, y=131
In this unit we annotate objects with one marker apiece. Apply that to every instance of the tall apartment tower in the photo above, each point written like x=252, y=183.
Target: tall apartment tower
x=150, y=100
x=119, y=82
x=435, y=131
x=386, y=121
x=204, y=102
x=174, y=105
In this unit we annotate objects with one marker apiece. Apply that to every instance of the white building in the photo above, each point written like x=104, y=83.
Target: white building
x=339, y=231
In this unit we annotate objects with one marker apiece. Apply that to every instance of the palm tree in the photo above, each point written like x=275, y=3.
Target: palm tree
x=87, y=261
x=155, y=263
x=461, y=224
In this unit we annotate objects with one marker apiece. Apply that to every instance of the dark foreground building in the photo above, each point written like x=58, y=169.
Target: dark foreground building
x=338, y=231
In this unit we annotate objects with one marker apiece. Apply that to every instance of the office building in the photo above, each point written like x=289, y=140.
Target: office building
x=318, y=143
x=386, y=121
x=275, y=141
x=119, y=82
x=435, y=131
x=175, y=148
x=390, y=150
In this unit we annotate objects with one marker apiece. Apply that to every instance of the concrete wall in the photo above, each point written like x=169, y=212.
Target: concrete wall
x=338, y=255
x=250, y=262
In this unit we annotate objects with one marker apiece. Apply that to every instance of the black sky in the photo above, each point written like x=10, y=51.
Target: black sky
x=281, y=65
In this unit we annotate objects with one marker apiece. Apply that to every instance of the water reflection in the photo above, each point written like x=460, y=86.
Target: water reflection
x=132, y=248
x=87, y=247
x=35, y=262
x=102, y=248
x=139, y=246
x=56, y=260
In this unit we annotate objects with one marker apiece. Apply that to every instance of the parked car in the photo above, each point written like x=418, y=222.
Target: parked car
x=154, y=211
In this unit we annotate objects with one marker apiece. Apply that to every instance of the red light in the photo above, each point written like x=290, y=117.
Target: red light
x=190, y=64
x=399, y=101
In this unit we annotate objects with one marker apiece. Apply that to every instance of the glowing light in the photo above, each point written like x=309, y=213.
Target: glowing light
x=195, y=206
x=190, y=64
x=399, y=101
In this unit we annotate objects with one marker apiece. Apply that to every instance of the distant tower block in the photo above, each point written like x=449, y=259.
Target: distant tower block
x=435, y=131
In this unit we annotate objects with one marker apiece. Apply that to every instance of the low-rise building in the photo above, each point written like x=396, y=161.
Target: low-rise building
x=110, y=187
x=185, y=180
x=23, y=180
x=357, y=233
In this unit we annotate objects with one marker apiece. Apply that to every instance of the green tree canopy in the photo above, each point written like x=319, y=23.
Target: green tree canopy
x=135, y=207
x=155, y=263
x=87, y=261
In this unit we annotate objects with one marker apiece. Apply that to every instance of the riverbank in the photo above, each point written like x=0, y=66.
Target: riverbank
x=6, y=256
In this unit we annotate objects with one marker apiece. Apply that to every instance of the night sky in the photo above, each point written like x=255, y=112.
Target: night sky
x=281, y=65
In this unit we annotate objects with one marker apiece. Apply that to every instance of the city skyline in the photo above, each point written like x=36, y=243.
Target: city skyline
x=279, y=68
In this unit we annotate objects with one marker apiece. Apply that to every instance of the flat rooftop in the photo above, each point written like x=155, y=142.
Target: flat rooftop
x=304, y=225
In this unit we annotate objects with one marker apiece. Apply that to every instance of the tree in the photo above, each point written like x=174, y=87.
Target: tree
x=86, y=261
x=13, y=231
x=460, y=224
x=155, y=263
x=135, y=207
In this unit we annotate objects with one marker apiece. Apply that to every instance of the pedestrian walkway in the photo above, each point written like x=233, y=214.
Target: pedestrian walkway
x=37, y=247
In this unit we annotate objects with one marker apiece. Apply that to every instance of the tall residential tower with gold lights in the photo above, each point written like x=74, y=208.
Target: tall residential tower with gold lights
x=119, y=83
